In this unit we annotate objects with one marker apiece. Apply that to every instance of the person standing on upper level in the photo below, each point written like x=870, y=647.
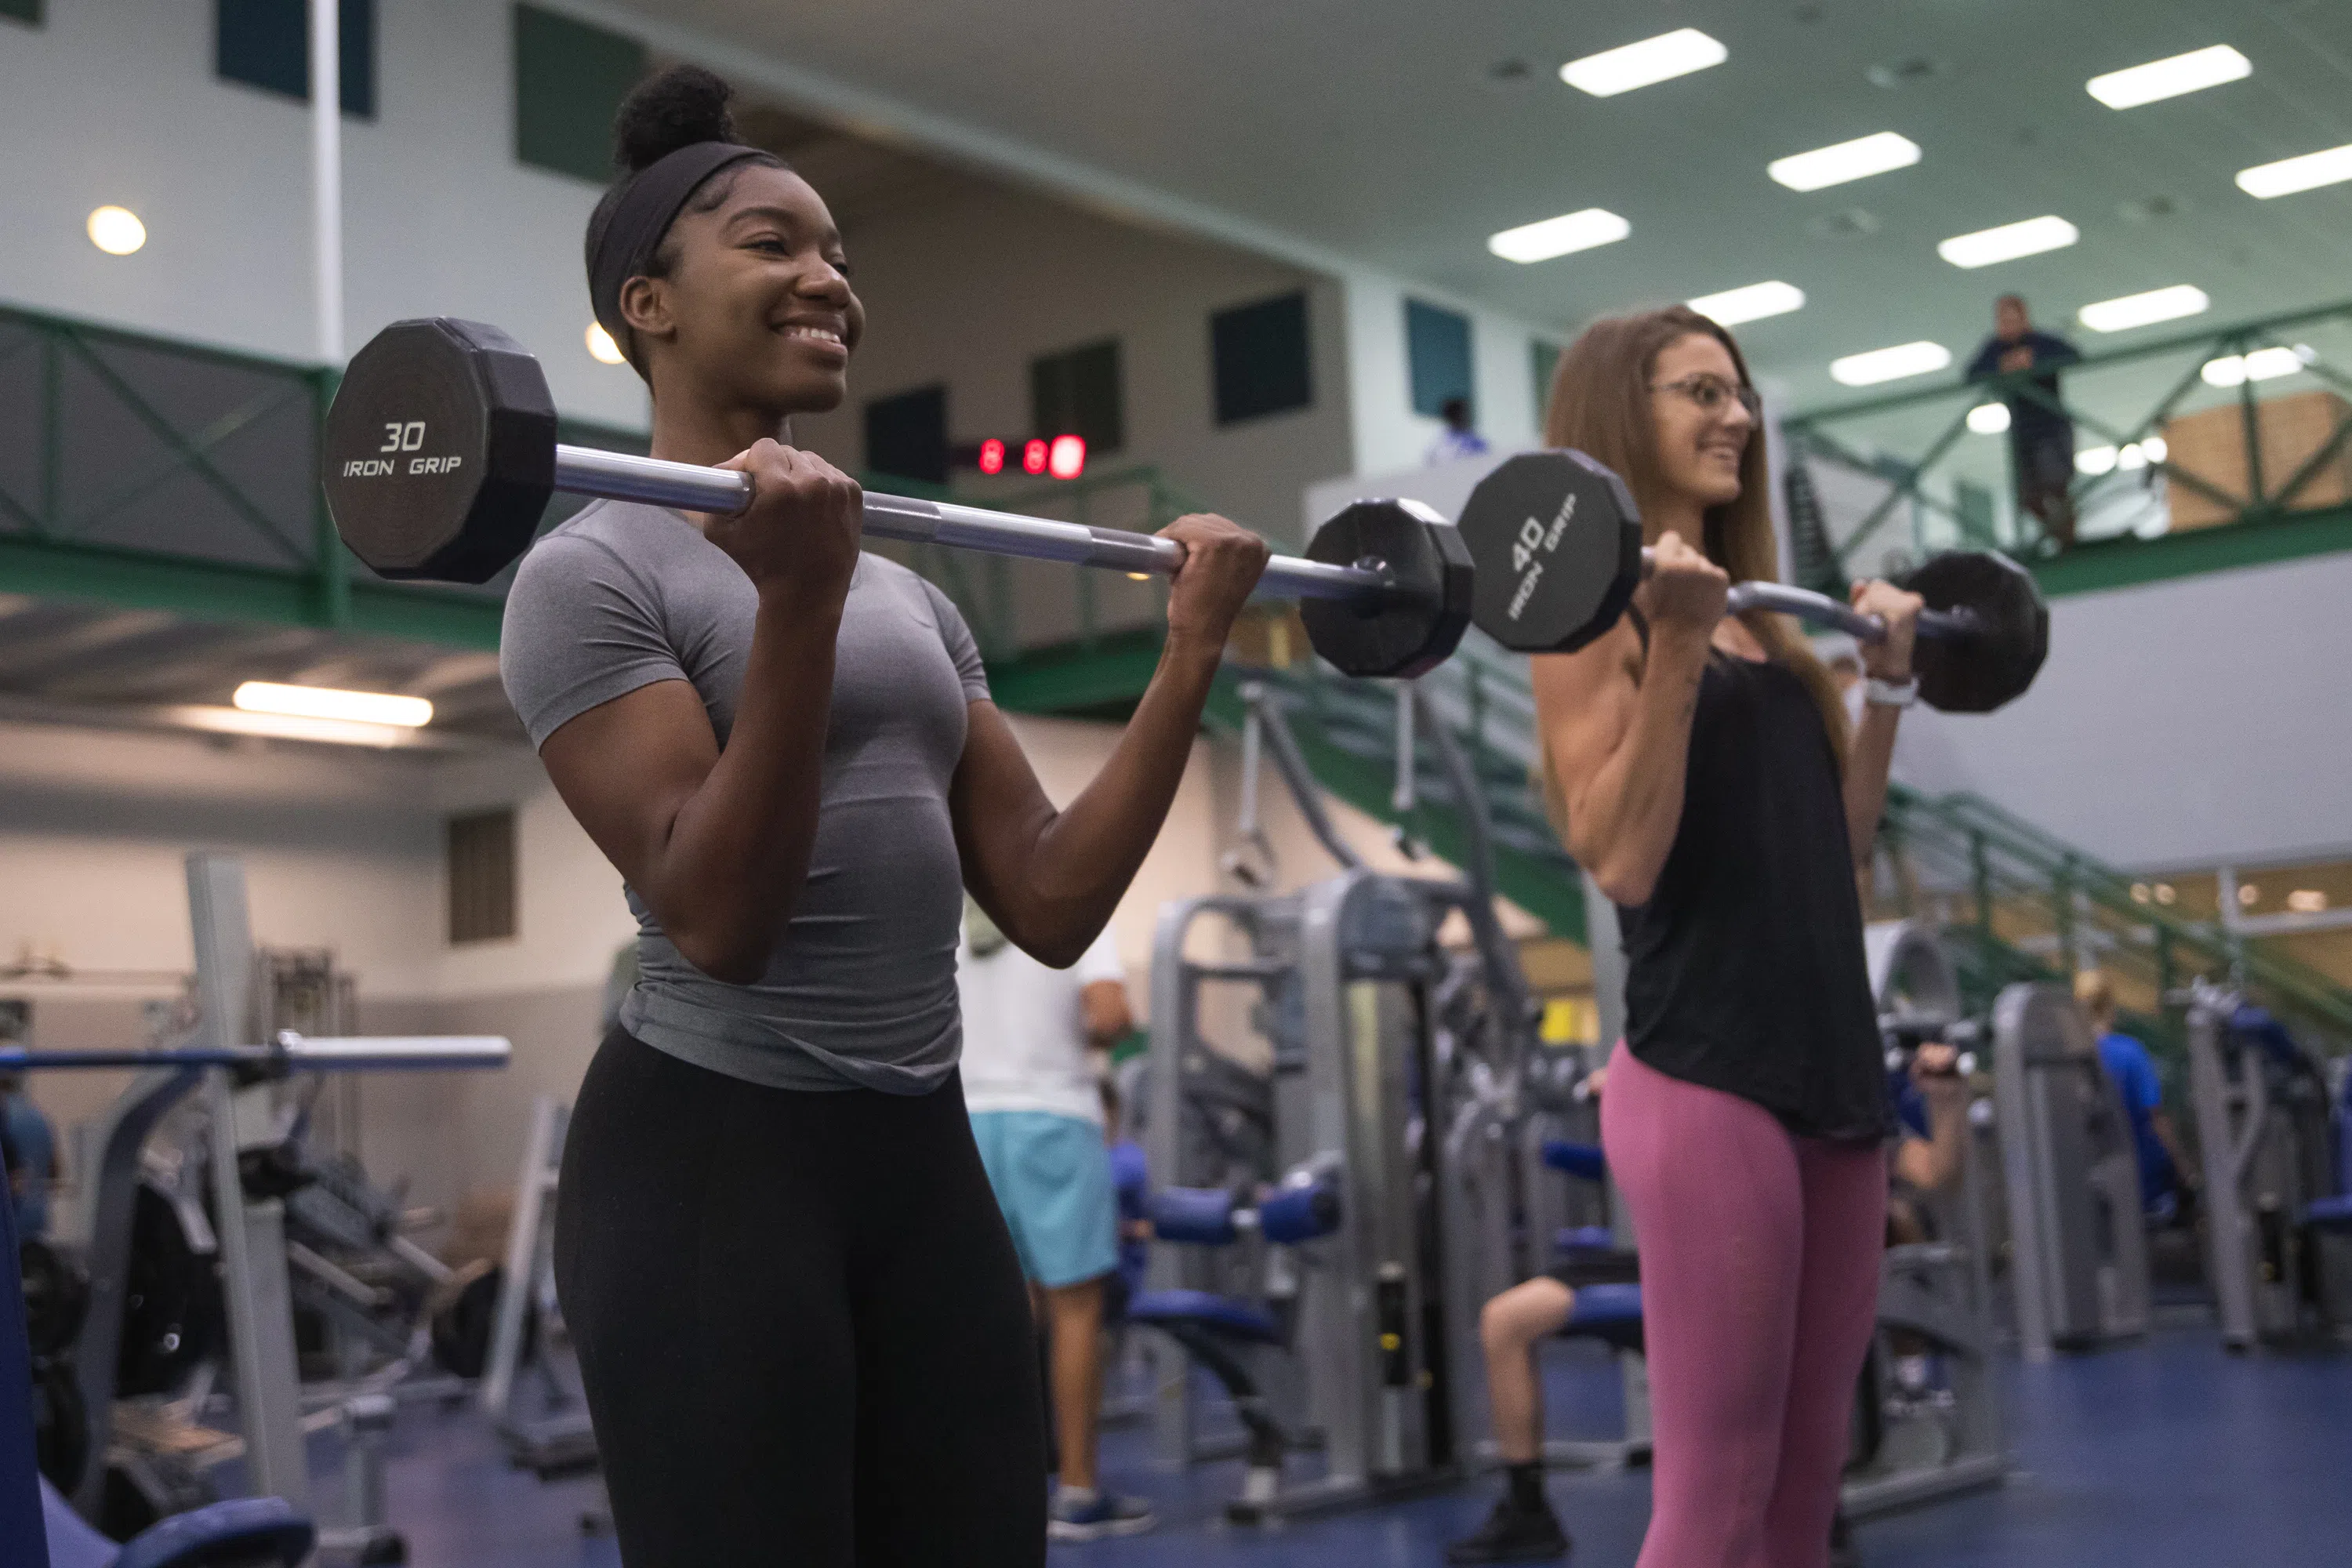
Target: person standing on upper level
x=2041, y=436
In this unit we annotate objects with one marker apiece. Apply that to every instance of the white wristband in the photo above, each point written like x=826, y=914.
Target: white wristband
x=1885, y=694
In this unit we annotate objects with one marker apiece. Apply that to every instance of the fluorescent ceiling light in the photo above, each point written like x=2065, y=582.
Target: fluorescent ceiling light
x=2140, y=310
x=1752, y=303
x=1889, y=365
x=2289, y=175
x=1558, y=236
x=2154, y=447
x=116, y=230
x=600, y=346
x=1854, y=160
x=1989, y=418
x=2008, y=242
x=2191, y=72
x=326, y=702
x=1669, y=55
x=2262, y=364
x=2095, y=460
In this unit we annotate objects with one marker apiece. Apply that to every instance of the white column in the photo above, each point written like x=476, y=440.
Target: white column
x=327, y=175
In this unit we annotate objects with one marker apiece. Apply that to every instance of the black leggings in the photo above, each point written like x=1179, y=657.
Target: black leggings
x=801, y=1326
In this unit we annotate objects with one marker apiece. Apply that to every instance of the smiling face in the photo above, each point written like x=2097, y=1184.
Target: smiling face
x=1699, y=448
x=755, y=311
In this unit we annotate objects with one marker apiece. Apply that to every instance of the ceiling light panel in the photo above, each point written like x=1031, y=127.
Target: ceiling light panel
x=2141, y=310
x=1662, y=59
x=1558, y=236
x=2191, y=72
x=2008, y=242
x=1989, y=418
x=2289, y=175
x=1752, y=303
x=1856, y=160
x=327, y=702
x=1889, y=365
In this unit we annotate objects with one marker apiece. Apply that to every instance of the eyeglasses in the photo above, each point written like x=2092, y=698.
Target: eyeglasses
x=1710, y=392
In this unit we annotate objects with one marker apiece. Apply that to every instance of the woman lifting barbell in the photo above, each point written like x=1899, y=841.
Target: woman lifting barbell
x=800, y=1323
x=1700, y=766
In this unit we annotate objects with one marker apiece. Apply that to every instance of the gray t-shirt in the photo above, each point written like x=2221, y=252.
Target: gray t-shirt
x=861, y=989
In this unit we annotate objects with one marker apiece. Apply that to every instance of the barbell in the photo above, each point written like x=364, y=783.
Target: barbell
x=1556, y=542
x=440, y=456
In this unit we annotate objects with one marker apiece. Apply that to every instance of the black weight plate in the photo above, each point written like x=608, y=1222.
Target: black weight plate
x=172, y=1313
x=1405, y=634
x=56, y=1294
x=439, y=452
x=1979, y=671
x=1558, y=544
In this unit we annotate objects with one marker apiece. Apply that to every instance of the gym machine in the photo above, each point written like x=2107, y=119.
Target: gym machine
x=2276, y=1144
x=249, y=1220
x=2078, y=1245
x=1934, y=1297
x=1394, y=1082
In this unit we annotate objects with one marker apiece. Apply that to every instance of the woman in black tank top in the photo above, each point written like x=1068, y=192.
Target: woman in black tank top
x=1701, y=770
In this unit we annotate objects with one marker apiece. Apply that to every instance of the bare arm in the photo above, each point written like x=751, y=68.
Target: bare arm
x=1102, y=1008
x=1872, y=752
x=1051, y=878
x=1616, y=725
x=716, y=841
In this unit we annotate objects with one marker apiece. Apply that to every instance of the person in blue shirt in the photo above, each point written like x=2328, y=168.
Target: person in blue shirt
x=1460, y=441
x=32, y=1147
x=2155, y=1145
x=2040, y=437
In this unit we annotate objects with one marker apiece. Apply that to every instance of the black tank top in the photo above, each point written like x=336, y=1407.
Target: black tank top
x=1744, y=971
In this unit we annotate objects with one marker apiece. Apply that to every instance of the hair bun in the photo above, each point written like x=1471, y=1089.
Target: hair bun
x=674, y=107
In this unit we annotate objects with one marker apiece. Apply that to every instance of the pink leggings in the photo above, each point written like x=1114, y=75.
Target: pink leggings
x=1759, y=1285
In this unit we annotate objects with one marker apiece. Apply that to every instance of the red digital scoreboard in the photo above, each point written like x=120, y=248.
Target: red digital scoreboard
x=1061, y=457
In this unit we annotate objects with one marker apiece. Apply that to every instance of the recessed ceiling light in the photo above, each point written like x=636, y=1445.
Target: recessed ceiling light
x=1752, y=303
x=2095, y=460
x=1669, y=55
x=1989, y=418
x=1889, y=365
x=116, y=230
x=2170, y=77
x=327, y=702
x=2262, y=364
x=2288, y=175
x=1856, y=160
x=2008, y=242
x=600, y=346
x=2306, y=901
x=1558, y=236
x=2140, y=310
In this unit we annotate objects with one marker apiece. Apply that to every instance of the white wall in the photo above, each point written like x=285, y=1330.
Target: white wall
x=115, y=101
x=2199, y=721
x=972, y=281
x=1386, y=433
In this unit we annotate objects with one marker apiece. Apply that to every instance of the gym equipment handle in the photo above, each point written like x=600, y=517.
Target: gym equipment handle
x=372, y=1053
x=618, y=475
x=1824, y=611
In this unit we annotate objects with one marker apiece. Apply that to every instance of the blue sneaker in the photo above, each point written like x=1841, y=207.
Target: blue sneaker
x=1091, y=1516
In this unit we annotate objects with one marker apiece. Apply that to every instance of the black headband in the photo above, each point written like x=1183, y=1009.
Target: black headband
x=643, y=215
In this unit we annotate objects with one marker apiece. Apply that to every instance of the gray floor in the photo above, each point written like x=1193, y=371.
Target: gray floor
x=2167, y=1452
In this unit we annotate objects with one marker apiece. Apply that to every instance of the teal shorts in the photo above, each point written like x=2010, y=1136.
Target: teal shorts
x=1052, y=1178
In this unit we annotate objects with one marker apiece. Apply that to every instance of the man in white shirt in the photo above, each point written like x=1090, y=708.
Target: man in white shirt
x=1033, y=1083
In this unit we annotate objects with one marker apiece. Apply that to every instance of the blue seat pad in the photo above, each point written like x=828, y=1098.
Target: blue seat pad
x=1583, y=1159
x=239, y=1530
x=1603, y=1307
x=1226, y=1315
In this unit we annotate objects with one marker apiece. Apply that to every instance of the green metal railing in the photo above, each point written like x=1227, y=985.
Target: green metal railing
x=1918, y=455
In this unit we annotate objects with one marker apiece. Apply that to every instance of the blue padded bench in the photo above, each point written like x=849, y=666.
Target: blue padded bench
x=243, y=1532
x=1610, y=1313
x=1228, y=1316
x=1583, y=1160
